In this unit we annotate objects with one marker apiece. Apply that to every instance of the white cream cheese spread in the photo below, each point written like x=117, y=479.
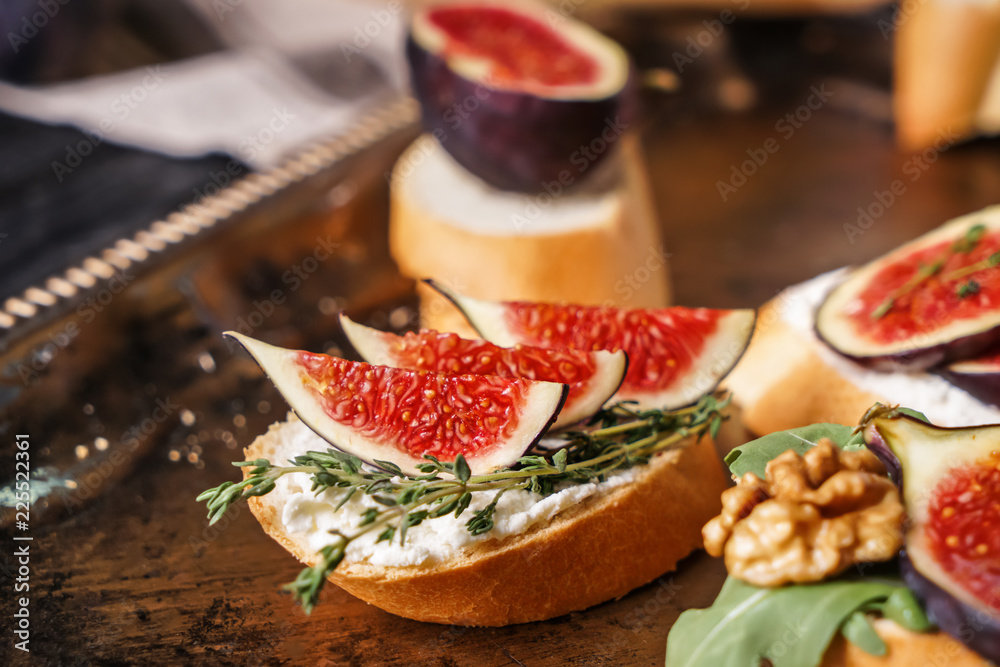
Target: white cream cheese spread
x=942, y=402
x=313, y=516
x=481, y=209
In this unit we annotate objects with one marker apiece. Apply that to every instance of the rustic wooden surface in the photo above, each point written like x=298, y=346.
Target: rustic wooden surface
x=138, y=578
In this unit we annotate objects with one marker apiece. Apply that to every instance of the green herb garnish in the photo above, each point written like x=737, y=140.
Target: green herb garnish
x=967, y=289
x=618, y=437
x=791, y=626
x=964, y=245
x=970, y=239
x=924, y=272
x=990, y=262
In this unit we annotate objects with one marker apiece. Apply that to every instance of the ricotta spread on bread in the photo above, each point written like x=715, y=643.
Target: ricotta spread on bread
x=313, y=516
x=941, y=401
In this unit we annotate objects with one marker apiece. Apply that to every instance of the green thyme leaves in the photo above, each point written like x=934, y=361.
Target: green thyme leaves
x=968, y=242
x=924, y=271
x=967, y=289
x=307, y=586
x=615, y=438
x=883, y=308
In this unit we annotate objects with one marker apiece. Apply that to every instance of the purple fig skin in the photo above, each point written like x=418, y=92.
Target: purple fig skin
x=921, y=359
x=878, y=446
x=983, y=386
x=926, y=347
x=976, y=627
x=512, y=140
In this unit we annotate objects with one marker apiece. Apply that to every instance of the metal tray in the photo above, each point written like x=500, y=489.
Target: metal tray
x=90, y=354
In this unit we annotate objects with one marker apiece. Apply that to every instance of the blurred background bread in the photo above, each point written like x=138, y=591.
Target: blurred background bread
x=596, y=243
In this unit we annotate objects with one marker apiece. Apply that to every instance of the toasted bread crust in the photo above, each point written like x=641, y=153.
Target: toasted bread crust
x=782, y=382
x=904, y=649
x=595, y=551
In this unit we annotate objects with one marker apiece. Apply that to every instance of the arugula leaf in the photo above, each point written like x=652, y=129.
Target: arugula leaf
x=754, y=455
x=916, y=414
x=858, y=630
x=791, y=626
x=905, y=609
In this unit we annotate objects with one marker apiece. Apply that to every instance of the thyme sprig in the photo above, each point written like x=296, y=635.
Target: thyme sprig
x=963, y=245
x=967, y=289
x=616, y=438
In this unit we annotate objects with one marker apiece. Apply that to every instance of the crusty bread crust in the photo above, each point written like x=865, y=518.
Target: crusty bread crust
x=595, y=551
x=781, y=381
x=592, y=264
x=904, y=649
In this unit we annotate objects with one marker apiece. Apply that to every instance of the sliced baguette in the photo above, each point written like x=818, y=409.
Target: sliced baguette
x=594, y=551
x=596, y=243
x=789, y=378
x=785, y=380
x=782, y=382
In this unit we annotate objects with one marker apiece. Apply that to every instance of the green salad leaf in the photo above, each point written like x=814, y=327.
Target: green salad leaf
x=858, y=630
x=791, y=626
x=753, y=456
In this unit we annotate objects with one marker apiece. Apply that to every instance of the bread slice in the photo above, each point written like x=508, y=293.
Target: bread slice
x=946, y=62
x=596, y=550
x=781, y=382
x=789, y=378
x=904, y=649
x=595, y=244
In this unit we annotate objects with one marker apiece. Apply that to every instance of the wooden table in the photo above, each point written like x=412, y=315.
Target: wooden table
x=136, y=577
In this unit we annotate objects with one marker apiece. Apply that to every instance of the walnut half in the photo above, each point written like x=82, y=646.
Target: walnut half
x=814, y=516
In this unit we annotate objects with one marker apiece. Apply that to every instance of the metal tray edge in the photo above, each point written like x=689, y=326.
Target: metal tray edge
x=62, y=290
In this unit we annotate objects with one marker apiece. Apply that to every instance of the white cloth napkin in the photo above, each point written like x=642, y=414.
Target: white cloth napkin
x=251, y=101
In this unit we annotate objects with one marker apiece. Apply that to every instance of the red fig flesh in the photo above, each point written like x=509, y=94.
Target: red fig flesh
x=389, y=414
x=592, y=377
x=676, y=355
x=515, y=98
x=930, y=301
x=951, y=488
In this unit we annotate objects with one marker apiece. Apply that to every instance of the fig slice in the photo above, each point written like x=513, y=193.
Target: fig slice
x=515, y=98
x=979, y=376
x=930, y=301
x=951, y=489
x=378, y=413
x=592, y=377
x=676, y=355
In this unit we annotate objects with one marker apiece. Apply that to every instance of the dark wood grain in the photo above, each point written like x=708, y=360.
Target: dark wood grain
x=787, y=223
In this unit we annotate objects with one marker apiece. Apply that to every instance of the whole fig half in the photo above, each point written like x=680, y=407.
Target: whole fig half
x=520, y=95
